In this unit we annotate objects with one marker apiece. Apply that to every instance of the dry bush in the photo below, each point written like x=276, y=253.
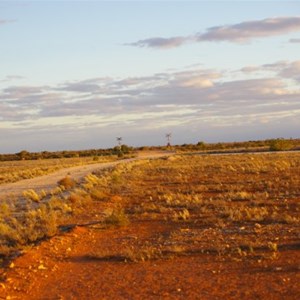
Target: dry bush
x=31, y=195
x=117, y=218
x=99, y=194
x=79, y=200
x=67, y=182
x=29, y=227
x=142, y=254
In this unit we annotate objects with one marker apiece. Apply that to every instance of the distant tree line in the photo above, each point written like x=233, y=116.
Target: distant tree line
x=260, y=145
x=279, y=144
x=26, y=155
x=121, y=150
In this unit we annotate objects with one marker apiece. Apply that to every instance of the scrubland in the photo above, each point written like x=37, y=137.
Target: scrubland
x=12, y=171
x=227, y=215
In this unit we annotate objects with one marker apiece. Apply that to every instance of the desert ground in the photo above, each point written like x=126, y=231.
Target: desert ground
x=174, y=227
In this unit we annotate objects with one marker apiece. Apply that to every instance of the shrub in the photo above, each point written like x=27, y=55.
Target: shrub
x=31, y=195
x=32, y=226
x=98, y=195
x=39, y=223
x=280, y=145
x=67, y=182
x=117, y=218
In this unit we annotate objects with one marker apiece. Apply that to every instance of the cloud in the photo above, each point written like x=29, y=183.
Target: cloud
x=196, y=89
x=250, y=69
x=292, y=70
x=294, y=40
x=286, y=69
x=196, y=79
x=185, y=101
x=162, y=43
x=18, y=92
x=236, y=33
x=12, y=78
x=3, y=22
x=246, y=31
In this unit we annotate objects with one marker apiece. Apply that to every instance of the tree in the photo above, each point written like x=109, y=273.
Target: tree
x=23, y=155
x=201, y=145
x=280, y=145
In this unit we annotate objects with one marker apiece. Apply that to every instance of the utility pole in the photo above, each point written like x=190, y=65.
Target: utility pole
x=168, y=136
x=119, y=140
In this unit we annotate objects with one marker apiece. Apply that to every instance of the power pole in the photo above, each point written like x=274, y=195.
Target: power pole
x=168, y=136
x=119, y=140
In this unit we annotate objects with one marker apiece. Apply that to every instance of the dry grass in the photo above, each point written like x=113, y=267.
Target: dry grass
x=233, y=206
x=237, y=206
x=12, y=171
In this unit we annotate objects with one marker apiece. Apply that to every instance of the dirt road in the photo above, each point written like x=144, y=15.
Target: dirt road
x=49, y=182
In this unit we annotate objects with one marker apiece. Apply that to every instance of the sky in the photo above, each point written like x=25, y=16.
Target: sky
x=77, y=74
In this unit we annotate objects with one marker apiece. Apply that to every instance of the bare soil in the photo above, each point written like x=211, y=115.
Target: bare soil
x=85, y=264
x=182, y=259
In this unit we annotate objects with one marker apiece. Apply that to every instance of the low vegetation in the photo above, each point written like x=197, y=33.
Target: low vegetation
x=95, y=154
x=12, y=171
x=237, y=207
x=25, y=165
x=279, y=144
